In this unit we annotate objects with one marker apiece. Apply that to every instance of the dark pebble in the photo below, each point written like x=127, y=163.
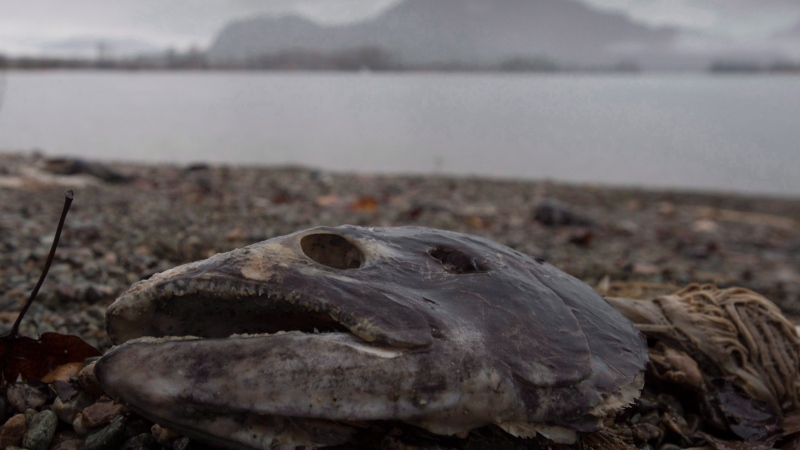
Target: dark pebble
x=108, y=438
x=69, y=444
x=555, y=214
x=181, y=444
x=23, y=396
x=141, y=441
x=646, y=432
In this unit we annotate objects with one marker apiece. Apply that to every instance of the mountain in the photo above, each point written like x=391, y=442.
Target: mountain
x=471, y=32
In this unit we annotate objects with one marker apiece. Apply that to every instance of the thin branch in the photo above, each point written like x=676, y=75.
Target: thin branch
x=68, y=196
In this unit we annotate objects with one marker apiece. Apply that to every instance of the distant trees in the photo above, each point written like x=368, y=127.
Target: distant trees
x=363, y=58
x=366, y=58
x=753, y=67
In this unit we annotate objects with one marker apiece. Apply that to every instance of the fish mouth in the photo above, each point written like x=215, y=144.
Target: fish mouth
x=223, y=307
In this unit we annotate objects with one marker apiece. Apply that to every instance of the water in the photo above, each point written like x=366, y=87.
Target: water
x=738, y=133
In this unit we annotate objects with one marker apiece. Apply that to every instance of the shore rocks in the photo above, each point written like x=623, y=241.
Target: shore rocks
x=119, y=233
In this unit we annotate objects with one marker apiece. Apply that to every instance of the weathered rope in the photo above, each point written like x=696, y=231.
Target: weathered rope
x=731, y=332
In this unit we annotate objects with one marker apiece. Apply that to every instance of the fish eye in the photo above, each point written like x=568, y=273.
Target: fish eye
x=332, y=250
x=456, y=261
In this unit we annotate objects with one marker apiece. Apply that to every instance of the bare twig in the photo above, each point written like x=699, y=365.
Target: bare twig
x=68, y=196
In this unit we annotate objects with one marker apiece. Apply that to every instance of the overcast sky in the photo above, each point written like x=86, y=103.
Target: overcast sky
x=26, y=24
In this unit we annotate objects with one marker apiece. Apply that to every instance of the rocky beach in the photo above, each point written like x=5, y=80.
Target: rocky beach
x=129, y=221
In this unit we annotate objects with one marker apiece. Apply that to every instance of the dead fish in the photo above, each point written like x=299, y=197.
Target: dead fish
x=287, y=342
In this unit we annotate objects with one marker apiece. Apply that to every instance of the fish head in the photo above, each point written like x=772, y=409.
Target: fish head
x=291, y=340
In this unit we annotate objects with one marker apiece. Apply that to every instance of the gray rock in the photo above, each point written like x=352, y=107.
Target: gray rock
x=109, y=437
x=41, y=430
x=555, y=214
x=22, y=396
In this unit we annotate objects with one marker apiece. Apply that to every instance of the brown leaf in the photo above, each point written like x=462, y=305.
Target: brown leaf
x=365, y=204
x=33, y=359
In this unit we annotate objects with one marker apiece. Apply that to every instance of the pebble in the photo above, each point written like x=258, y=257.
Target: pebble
x=13, y=431
x=552, y=213
x=181, y=444
x=164, y=436
x=107, y=438
x=101, y=413
x=69, y=444
x=23, y=396
x=67, y=411
x=40, y=431
x=140, y=441
x=88, y=380
x=78, y=426
x=646, y=432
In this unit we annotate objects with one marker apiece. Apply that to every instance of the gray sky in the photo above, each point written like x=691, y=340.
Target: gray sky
x=25, y=25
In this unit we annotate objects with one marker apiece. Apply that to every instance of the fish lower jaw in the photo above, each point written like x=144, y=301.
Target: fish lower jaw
x=343, y=338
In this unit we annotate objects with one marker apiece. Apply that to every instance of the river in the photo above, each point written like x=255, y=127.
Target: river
x=739, y=133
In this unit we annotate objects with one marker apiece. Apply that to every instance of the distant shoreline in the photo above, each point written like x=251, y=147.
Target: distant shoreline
x=347, y=62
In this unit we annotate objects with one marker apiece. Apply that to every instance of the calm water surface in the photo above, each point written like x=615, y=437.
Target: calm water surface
x=690, y=132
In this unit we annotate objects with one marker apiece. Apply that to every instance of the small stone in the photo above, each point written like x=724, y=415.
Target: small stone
x=88, y=380
x=22, y=397
x=107, y=438
x=41, y=431
x=181, y=444
x=646, y=432
x=552, y=213
x=69, y=444
x=13, y=431
x=101, y=413
x=67, y=411
x=141, y=441
x=164, y=436
x=62, y=436
x=29, y=413
x=78, y=426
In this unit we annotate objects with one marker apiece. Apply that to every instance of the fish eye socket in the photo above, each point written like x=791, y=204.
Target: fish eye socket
x=456, y=261
x=332, y=250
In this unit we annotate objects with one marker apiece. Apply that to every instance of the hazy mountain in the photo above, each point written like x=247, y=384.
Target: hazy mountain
x=462, y=31
x=793, y=32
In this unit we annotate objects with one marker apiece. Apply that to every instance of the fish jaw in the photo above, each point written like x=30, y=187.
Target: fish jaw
x=268, y=384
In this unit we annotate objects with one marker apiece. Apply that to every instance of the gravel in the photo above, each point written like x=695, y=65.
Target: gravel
x=154, y=217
